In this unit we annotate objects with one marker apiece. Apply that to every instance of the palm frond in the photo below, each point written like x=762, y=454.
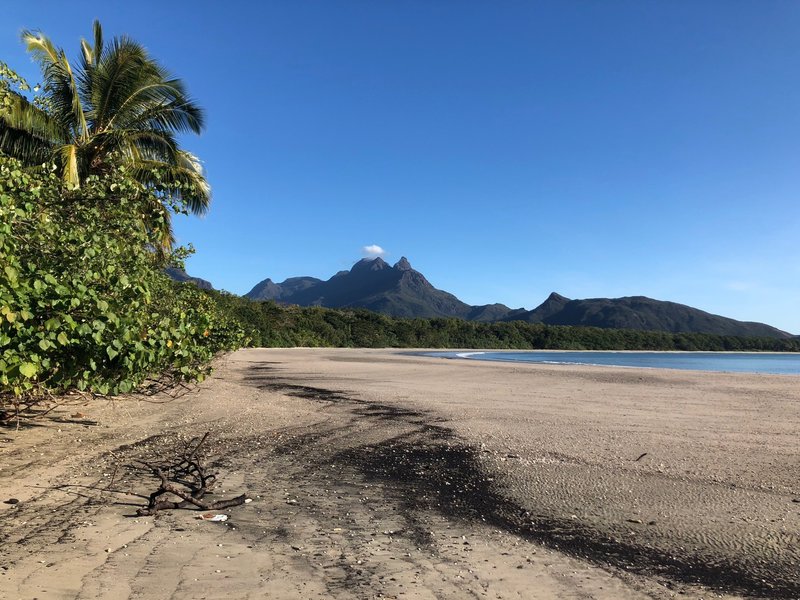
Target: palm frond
x=19, y=113
x=134, y=90
x=136, y=145
x=88, y=53
x=60, y=82
x=23, y=146
x=98, y=41
x=41, y=49
x=69, y=162
x=177, y=115
x=123, y=70
x=91, y=57
x=27, y=132
x=184, y=180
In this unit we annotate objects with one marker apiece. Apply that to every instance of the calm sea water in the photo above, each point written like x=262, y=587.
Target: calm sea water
x=736, y=362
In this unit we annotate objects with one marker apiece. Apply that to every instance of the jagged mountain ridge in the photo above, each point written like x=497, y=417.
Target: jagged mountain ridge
x=397, y=290
x=401, y=291
x=182, y=276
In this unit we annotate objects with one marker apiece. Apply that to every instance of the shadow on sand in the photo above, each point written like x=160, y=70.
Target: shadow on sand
x=432, y=470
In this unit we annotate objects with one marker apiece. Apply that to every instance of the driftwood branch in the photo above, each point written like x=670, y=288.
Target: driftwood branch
x=187, y=479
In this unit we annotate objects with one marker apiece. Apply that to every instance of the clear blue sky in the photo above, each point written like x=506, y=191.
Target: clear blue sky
x=508, y=149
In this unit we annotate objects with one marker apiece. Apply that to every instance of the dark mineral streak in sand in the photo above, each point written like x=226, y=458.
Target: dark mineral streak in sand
x=432, y=470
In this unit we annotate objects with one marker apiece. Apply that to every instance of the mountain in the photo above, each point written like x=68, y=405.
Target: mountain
x=267, y=290
x=554, y=304
x=182, y=276
x=488, y=313
x=642, y=313
x=401, y=291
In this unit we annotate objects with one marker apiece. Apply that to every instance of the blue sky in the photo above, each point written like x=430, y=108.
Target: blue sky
x=508, y=149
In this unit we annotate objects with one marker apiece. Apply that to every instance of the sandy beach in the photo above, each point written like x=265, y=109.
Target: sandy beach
x=380, y=474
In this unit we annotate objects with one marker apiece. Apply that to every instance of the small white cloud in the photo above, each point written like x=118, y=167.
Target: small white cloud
x=373, y=251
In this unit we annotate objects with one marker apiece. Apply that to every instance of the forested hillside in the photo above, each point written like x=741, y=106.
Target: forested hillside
x=270, y=324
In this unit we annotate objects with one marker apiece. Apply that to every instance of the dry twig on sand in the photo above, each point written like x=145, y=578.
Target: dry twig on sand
x=167, y=384
x=15, y=409
x=186, y=478
x=24, y=409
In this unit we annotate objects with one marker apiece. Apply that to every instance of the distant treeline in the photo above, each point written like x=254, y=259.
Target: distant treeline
x=272, y=325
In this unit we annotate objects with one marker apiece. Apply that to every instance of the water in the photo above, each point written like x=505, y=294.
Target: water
x=732, y=362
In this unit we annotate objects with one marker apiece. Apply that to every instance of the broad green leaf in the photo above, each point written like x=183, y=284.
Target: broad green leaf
x=27, y=369
x=12, y=273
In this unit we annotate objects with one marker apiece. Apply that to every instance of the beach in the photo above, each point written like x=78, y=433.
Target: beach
x=382, y=474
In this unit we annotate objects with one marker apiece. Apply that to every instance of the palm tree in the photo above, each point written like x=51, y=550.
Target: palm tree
x=119, y=107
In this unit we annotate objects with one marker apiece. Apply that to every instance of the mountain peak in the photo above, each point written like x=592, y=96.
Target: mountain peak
x=403, y=264
x=556, y=297
x=551, y=306
x=370, y=264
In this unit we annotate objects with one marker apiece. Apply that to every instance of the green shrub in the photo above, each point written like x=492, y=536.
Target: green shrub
x=84, y=302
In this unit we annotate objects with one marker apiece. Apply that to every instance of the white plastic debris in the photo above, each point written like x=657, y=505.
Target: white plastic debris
x=213, y=517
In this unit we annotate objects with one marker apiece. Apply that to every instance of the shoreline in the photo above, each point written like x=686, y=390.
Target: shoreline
x=408, y=474
x=479, y=356
x=556, y=351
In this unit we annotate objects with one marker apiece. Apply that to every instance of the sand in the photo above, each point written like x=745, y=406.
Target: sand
x=377, y=474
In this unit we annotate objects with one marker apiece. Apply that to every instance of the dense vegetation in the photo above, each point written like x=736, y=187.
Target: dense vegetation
x=90, y=174
x=273, y=325
x=84, y=302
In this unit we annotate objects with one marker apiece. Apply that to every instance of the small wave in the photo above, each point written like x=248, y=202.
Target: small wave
x=560, y=362
x=468, y=354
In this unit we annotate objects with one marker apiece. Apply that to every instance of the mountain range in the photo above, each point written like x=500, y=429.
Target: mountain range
x=401, y=291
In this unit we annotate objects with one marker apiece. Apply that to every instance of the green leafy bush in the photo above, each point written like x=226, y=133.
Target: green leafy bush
x=84, y=302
